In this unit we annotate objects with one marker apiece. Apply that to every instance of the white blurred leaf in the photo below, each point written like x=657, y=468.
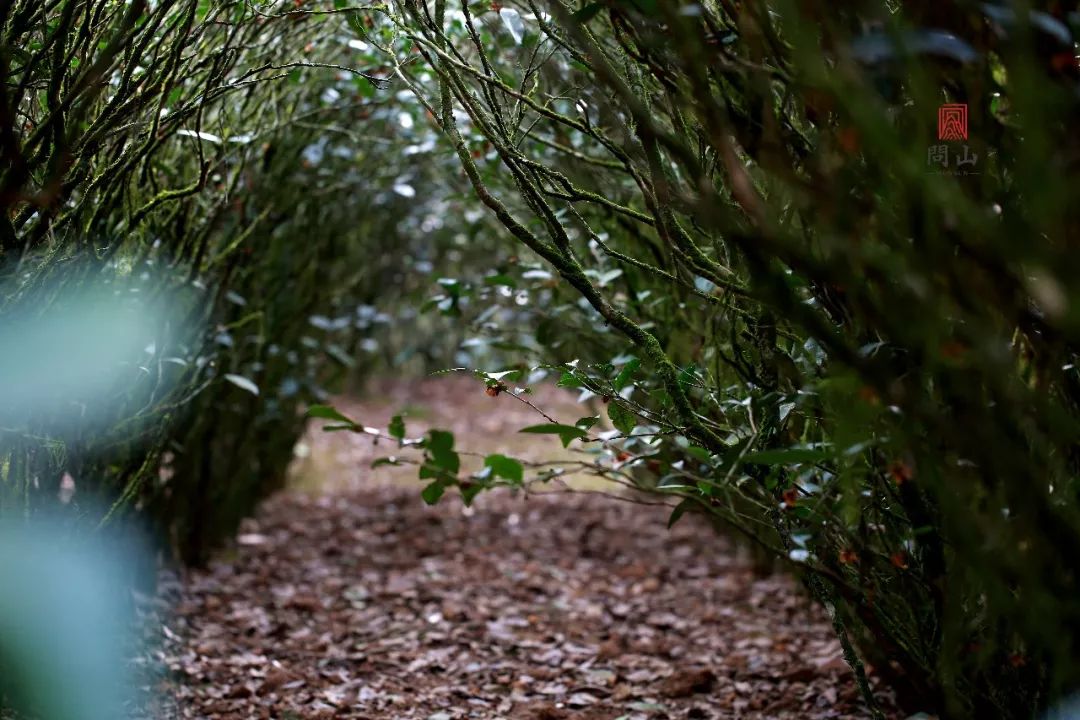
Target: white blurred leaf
x=242, y=382
x=512, y=20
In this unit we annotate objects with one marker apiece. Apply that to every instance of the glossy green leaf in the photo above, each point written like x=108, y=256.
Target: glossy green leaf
x=328, y=412
x=569, y=380
x=440, y=445
x=505, y=467
x=566, y=433
x=433, y=492
x=587, y=423
x=623, y=420
x=679, y=510
x=469, y=491
x=627, y=373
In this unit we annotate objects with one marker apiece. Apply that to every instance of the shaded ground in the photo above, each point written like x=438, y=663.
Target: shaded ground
x=363, y=603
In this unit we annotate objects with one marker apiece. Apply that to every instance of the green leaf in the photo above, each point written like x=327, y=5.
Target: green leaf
x=699, y=453
x=243, y=383
x=687, y=376
x=432, y=492
x=379, y=462
x=627, y=373
x=588, y=12
x=568, y=380
x=440, y=441
x=566, y=433
x=440, y=446
x=175, y=96
x=679, y=511
x=505, y=467
x=623, y=420
x=470, y=491
x=500, y=280
x=356, y=22
x=786, y=456
x=397, y=427
x=587, y=423
x=327, y=412
x=338, y=428
x=508, y=375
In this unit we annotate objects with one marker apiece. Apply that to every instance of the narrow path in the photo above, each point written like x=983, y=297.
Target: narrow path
x=361, y=602
x=372, y=606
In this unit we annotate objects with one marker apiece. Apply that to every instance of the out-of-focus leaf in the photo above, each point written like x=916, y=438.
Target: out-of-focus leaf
x=686, y=376
x=397, y=427
x=566, y=433
x=623, y=420
x=243, y=383
x=356, y=22
x=678, y=511
x=877, y=48
x=627, y=373
x=649, y=7
x=432, y=492
x=588, y=12
x=568, y=380
x=513, y=23
x=339, y=428
x=588, y=422
x=505, y=467
x=1004, y=17
x=469, y=491
x=500, y=279
x=440, y=445
x=786, y=456
x=328, y=412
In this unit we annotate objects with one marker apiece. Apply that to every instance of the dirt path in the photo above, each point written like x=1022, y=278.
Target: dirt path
x=363, y=603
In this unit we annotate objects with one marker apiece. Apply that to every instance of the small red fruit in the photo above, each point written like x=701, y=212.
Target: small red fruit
x=901, y=472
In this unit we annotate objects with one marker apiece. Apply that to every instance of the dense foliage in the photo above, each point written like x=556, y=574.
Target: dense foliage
x=813, y=319
x=164, y=167
x=809, y=318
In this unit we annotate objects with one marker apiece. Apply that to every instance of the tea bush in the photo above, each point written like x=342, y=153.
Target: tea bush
x=193, y=165
x=811, y=318
x=814, y=320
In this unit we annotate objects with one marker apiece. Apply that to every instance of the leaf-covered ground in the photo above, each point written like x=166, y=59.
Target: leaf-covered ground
x=361, y=602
